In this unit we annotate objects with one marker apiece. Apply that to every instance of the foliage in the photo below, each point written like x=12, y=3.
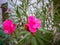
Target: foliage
x=4, y=38
x=57, y=14
x=57, y=20
x=19, y=15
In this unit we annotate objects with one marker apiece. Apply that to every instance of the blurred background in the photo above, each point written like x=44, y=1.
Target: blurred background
x=47, y=10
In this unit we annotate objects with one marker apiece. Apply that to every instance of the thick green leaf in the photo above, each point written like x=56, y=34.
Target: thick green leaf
x=44, y=30
x=24, y=37
x=33, y=40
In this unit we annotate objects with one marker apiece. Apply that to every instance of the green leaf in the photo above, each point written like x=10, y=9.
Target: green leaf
x=24, y=37
x=18, y=13
x=39, y=40
x=33, y=41
x=41, y=36
x=44, y=30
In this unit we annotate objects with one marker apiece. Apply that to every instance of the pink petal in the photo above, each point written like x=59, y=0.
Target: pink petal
x=33, y=30
x=6, y=31
x=33, y=23
x=30, y=19
x=9, y=26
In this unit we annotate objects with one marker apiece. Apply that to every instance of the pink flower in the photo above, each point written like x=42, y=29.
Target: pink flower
x=8, y=10
x=9, y=26
x=33, y=24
